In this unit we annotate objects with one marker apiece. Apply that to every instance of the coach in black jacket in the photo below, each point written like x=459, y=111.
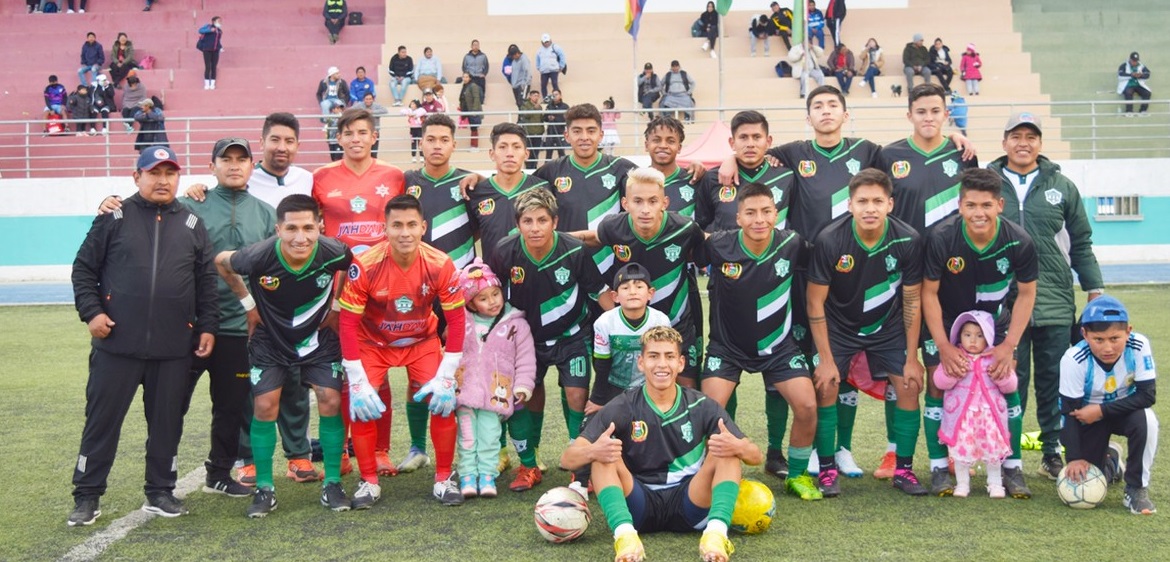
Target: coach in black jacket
x=144, y=282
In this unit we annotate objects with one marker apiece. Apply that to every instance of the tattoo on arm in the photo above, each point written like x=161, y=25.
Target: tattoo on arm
x=816, y=319
x=909, y=309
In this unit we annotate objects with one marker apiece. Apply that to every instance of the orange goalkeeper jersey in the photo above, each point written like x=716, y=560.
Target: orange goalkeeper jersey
x=352, y=205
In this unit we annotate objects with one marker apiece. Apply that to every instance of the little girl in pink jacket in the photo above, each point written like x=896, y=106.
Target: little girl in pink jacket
x=970, y=69
x=975, y=420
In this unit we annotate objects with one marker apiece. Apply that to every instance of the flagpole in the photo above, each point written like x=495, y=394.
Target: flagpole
x=634, y=73
x=719, y=35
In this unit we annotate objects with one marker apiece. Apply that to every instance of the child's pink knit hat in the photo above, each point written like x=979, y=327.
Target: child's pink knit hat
x=476, y=277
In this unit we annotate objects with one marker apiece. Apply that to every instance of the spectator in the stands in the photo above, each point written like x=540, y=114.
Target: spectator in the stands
x=334, y=12
x=550, y=62
x=475, y=64
x=531, y=120
x=841, y=65
x=809, y=64
x=835, y=19
x=428, y=71
x=102, y=102
x=430, y=103
x=33, y=6
x=132, y=95
x=519, y=73
x=331, y=131
x=81, y=109
x=941, y=64
x=93, y=57
x=401, y=75
x=678, y=91
x=55, y=97
x=332, y=89
x=149, y=3
x=915, y=61
x=971, y=69
x=360, y=86
x=816, y=23
x=441, y=98
x=210, y=43
x=121, y=59
x=758, y=31
x=152, y=130
x=554, y=126
x=872, y=61
x=709, y=21
x=781, y=24
x=72, y=5
x=471, y=101
x=378, y=111
x=1131, y=81
x=649, y=88
x=506, y=65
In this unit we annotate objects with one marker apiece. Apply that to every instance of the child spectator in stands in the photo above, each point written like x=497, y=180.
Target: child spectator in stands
x=440, y=98
x=121, y=59
x=152, y=130
x=331, y=131
x=81, y=110
x=709, y=20
x=335, y=12
x=970, y=69
x=132, y=95
x=758, y=31
x=429, y=103
x=414, y=115
x=211, y=44
x=360, y=86
x=93, y=56
x=841, y=65
x=55, y=98
x=609, y=117
x=102, y=102
x=471, y=101
x=872, y=61
x=940, y=63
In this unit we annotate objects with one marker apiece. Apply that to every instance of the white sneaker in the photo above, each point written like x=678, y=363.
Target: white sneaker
x=846, y=464
x=81, y=11
x=69, y=11
x=106, y=132
x=367, y=495
x=714, y=55
x=92, y=131
x=706, y=44
x=580, y=489
x=875, y=94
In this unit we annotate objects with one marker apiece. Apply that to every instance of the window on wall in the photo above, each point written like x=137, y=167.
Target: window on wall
x=1126, y=207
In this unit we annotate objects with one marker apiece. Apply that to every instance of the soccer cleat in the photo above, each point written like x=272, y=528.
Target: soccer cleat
x=776, y=464
x=385, y=467
x=447, y=491
x=526, y=479
x=302, y=470
x=1013, y=481
x=165, y=505
x=1138, y=501
x=366, y=495
x=505, y=462
x=468, y=486
x=828, y=482
x=580, y=489
x=628, y=548
x=346, y=464
x=415, y=459
x=333, y=496
x=804, y=487
x=1114, y=463
x=907, y=481
x=246, y=474
x=263, y=503
x=885, y=470
x=85, y=512
x=487, y=486
x=941, y=484
x=715, y=547
x=1050, y=467
x=845, y=463
x=227, y=487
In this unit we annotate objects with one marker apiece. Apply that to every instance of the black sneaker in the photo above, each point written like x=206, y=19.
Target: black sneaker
x=166, y=505
x=447, y=491
x=263, y=503
x=776, y=464
x=85, y=512
x=333, y=496
x=1013, y=482
x=1138, y=501
x=227, y=487
x=906, y=481
x=1114, y=466
x=941, y=484
x=1050, y=467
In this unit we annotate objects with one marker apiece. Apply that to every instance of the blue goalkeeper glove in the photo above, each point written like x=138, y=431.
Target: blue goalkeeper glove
x=364, y=404
x=442, y=386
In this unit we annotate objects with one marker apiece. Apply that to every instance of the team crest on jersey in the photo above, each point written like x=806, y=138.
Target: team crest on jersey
x=950, y=168
x=269, y=282
x=608, y=181
x=688, y=431
x=323, y=280
x=853, y=166
x=777, y=194
x=414, y=191
x=1001, y=265
x=517, y=276
x=713, y=363
x=561, y=275
x=1053, y=196
x=486, y=207
x=845, y=263
x=621, y=252
x=563, y=184
x=403, y=304
x=357, y=204
x=455, y=194
x=782, y=267
x=687, y=193
x=727, y=194
x=1110, y=384
x=891, y=263
x=956, y=264
x=673, y=252
x=930, y=347
x=638, y=431
x=807, y=168
x=900, y=169
x=382, y=190
x=732, y=270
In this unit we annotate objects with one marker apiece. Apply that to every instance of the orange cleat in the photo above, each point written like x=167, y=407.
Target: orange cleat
x=302, y=470
x=526, y=479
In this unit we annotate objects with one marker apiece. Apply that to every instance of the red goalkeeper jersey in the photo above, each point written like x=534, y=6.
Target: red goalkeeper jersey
x=353, y=206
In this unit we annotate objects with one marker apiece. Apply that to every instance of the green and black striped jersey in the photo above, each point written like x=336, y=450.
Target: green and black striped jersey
x=926, y=185
x=493, y=211
x=681, y=193
x=585, y=195
x=449, y=227
x=716, y=205
x=821, y=180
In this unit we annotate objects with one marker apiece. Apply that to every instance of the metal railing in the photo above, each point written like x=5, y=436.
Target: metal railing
x=1091, y=129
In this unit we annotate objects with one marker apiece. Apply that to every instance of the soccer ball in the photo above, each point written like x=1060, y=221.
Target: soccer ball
x=562, y=515
x=1086, y=494
x=754, y=508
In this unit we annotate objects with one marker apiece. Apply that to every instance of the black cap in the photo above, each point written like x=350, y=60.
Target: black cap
x=674, y=63
x=1134, y=56
x=222, y=145
x=632, y=271
x=647, y=66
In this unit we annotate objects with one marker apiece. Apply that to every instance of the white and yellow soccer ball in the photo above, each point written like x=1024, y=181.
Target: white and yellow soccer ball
x=754, y=508
x=1086, y=494
x=562, y=515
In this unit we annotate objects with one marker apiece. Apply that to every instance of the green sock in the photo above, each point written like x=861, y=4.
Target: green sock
x=798, y=460
x=846, y=416
x=826, y=431
x=574, y=420
x=537, y=429
x=732, y=403
x=776, y=410
x=332, y=433
x=417, y=416
x=905, y=424
x=520, y=427
x=613, y=505
x=504, y=434
x=263, y=447
x=891, y=404
x=1015, y=422
x=931, y=422
x=723, y=497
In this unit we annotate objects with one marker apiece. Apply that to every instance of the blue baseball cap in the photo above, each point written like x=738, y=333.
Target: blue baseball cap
x=1104, y=309
x=154, y=155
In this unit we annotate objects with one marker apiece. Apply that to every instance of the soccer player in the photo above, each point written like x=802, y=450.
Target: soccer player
x=490, y=202
x=752, y=270
x=552, y=278
x=716, y=203
x=664, y=136
x=152, y=251
x=864, y=283
x=977, y=261
x=655, y=472
x=1107, y=388
x=1048, y=205
x=388, y=320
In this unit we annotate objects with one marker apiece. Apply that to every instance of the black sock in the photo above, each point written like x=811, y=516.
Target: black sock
x=905, y=463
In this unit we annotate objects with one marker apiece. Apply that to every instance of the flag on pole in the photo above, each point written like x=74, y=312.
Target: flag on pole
x=634, y=16
x=723, y=6
x=799, y=21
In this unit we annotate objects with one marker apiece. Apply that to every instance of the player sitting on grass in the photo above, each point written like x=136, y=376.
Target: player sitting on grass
x=664, y=457
x=1107, y=388
x=287, y=296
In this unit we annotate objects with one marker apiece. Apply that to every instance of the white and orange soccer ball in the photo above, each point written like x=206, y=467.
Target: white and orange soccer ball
x=562, y=515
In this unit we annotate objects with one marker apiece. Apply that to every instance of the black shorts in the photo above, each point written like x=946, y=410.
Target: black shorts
x=667, y=509
x=801, y=334
x=692, y=346
x=573, y=360
x=885, y=358
x=787, y=363
x=271, y=370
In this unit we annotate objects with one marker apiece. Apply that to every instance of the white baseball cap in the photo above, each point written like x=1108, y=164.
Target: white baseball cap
x=332, y=70
x=545, y=38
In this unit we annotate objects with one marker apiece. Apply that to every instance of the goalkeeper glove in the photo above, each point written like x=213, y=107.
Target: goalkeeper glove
x=364, y=404
x=442, y=386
